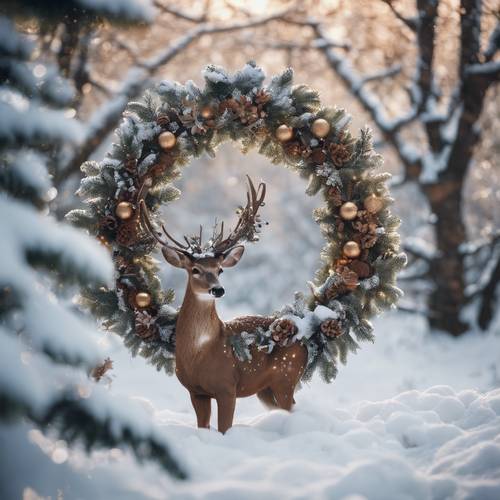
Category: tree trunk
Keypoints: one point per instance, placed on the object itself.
(447, 299)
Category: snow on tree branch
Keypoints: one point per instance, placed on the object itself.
(137, 79)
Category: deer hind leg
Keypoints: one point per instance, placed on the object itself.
(202, 407)
(283, 394)
(226, 403)
(267, 398)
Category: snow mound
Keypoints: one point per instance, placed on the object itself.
(420, 445)
(432, 444)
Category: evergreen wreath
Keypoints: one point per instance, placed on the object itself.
(174, 123)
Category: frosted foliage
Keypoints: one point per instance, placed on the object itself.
(31, 168)
(22, 120)
(48, 325)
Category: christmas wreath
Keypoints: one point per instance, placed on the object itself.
(174, 123)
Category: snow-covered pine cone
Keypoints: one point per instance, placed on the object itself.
(145, 326)
(282, 330)
(331, 328)
(348, 281)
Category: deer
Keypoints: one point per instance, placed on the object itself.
(205, 362)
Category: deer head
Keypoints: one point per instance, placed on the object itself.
(204, 262)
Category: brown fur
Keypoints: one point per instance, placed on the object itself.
(206, 364)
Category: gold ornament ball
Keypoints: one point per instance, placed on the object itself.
(124, 210)
(143, 299)
(373, 204)
(320, 128)
(207, 112)
(167, 140)
(284, 133)
(352, 249)
(348, 210)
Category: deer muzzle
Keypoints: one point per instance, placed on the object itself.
(217, 291)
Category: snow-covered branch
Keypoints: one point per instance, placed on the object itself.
(137, 79)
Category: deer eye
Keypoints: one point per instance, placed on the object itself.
(195, 270)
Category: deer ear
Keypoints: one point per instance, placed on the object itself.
(232, 257)
(174, 257)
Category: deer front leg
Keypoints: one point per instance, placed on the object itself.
(226, 403)
(202, 407)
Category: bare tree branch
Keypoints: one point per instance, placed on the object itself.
(371, 103)
(493, 44)
(182, 15)
(409, 22)
(138, 78)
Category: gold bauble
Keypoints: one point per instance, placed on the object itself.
(143, 299)
(351, 249)
(167, 140)
(284, 133)
(373, 204)
(207, 112)
(124, 210)
(320, 128)
(348, 210)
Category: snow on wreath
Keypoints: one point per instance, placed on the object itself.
(174, 123)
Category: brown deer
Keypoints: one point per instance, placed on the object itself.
(205, 362)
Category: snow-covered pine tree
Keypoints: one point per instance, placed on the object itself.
(46, 348)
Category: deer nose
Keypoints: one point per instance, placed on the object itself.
(217, 291)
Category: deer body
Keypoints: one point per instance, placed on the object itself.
(208, 368)
(205, 362)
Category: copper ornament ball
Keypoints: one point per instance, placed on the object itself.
(207, 112)
(167, 140)
(143, 299)
(284, 133)
(352, 250)
(373, 204)
(348, 210)
(320, 128)
(124, 210)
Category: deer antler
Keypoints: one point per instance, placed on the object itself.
(245, 229)
(156, 234)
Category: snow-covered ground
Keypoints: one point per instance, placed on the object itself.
(412, 416)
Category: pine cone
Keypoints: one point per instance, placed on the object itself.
(349, 277)
(331, 328)
(99, 371)
(293, 149)
(339, 154)
(163, 120)
(318, 156)
(131, 165)
(334, 196)
(282, 330)
(108, 222)
(362, 269)
(127, 233)
(262, 97)
(145, 326)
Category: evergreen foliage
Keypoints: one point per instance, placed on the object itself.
(239, 108)
(47, 348)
